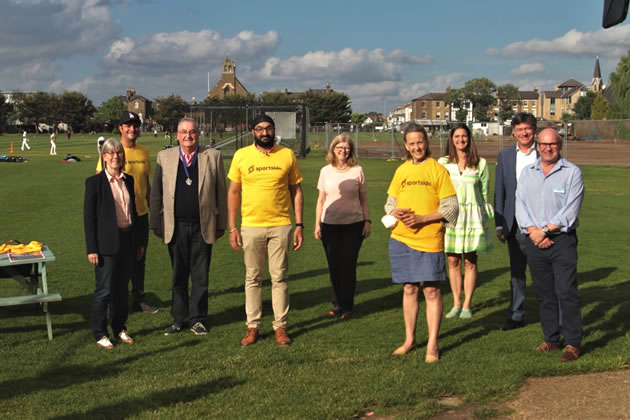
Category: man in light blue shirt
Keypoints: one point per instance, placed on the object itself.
(548, 199)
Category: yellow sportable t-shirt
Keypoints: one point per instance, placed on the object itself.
(421, 187)
(138, 165)
(265, 180)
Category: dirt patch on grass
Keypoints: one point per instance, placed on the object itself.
(603, 395)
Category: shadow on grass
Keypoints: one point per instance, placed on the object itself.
(59, 377)
(156, 400)
(609, 317)
(595, 275)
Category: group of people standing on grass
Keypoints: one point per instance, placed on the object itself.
(440, 212)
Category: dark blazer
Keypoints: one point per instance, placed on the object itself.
(99, 215)
(505, 190)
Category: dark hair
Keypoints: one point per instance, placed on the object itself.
(524, 118)
(416, 128)
(472, 156)
(262, 118)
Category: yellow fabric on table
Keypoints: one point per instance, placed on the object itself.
(18, 249)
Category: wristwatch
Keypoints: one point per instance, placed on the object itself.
(546, 230)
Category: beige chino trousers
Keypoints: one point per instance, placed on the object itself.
(258, 244)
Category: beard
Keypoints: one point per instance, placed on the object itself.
(264, 141)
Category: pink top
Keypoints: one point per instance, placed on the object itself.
(122, 201)
(342, 205)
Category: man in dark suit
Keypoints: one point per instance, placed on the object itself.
(189, 213)
(510, 164)
(112, 239)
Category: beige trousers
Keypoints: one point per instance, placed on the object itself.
(258, 243)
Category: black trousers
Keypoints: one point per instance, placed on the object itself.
(137, 277)
(341, 245)
(190, 257)
(554, 275)
(516, 242)
(112, 277)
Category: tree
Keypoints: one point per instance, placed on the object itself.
(275, 98)
(169, 110)
(36, 108)
(327, 107)
(455, 98)
(567, 116)
(6, 109)
(600, 107)
(110, 110)
(620, 82)
(480, 93)
(582, 107)
(76, 110)
(358, 118)
(508, 97)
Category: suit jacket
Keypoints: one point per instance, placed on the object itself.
(99, 215)
(505, 190)
(212, 193)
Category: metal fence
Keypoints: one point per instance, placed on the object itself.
(228, 127)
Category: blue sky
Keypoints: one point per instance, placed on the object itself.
(381, 54)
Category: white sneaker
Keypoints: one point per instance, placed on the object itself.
(124, 337)
(105, 343)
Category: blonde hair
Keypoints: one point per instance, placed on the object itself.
(342, 138)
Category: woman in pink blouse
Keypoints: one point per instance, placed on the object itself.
(342, 220)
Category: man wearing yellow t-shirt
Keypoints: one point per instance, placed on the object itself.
(138, 165)
(265, 179)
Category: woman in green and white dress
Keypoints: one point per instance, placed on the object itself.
(469, 174)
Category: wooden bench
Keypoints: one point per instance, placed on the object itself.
(25, 300)
(33, 276)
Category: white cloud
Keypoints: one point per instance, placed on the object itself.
(346, 66)
(610, 42)
(39, 29)
(527, 68)
(186, 51)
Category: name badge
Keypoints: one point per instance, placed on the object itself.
(559, 190)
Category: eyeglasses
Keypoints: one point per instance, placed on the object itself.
(112, 153)
(550, 145)
(340, 148)
(268, 129)
(186, 132)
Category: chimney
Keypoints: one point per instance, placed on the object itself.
(448, 89)
(129, 95)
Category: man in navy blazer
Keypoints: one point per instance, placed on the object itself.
(510, 164)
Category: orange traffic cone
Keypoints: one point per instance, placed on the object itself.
(11, 147)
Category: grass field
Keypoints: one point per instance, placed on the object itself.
(334, 369)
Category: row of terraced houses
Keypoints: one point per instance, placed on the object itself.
(432, 111)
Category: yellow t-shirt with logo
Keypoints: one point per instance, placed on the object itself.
(265, 180)
(138, 165)
(420, 188)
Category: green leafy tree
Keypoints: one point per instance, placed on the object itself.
(582, 107)
(455, 98)
(620, 81)
(567, 116)
(508, 97)
(6, 109)
(76, 110)
(36, 108)
(358, 118)
(480, 92)
(169, 110)
(275, 98)
(327, 107)
(600, 107)
(110, 110)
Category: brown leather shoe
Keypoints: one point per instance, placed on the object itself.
(547, 347)
(570, 354)
(250, 338)
(282, 338)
